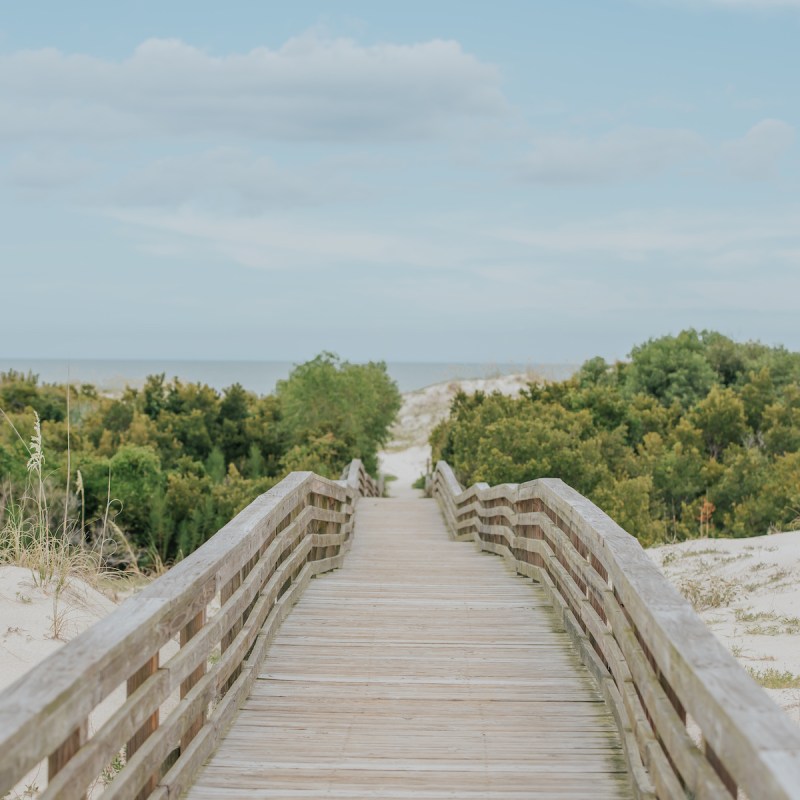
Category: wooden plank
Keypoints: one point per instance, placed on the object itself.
(150, 726)
(41, 714)
(60, 758)
(187, 634)
(750, 742)
(421, 668)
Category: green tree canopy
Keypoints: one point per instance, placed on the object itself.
(690, 421)
(355, 404)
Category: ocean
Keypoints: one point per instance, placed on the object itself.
(256, 376)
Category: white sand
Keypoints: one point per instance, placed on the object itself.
(748, 593)
(27, 631)
(34, 623)
(408, 453)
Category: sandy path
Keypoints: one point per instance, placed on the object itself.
(408, 453)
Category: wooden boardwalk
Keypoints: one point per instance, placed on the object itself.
(421, 669)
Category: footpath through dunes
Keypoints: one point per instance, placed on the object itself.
(420, 669)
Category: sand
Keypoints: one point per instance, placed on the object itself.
(748, 593)
(28, 632)
(408, 453)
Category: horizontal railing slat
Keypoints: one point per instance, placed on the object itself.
(643, 636)
(299, 528)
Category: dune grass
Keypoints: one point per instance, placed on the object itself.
(39, 535)
(775, 678)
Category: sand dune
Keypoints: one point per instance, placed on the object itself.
(407, 454)
(748, 593)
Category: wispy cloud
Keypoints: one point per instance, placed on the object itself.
(45, 171)
(227, 179)
(640, 154)
(638, 235)
(625, 154)
(283, 242)
(312, 88)
(758, 153)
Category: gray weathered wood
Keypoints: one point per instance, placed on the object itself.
(247, 563)
(420, 669)
(662, 659)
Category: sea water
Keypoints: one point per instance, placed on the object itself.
(257, 376)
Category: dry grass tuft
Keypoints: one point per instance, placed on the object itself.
(28, 537)
(708, 592)
(775, 678)
(54, 552)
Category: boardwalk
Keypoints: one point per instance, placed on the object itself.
(421, 669)
(413, 667)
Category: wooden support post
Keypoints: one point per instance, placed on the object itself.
(149, 727)
(719, 768)
(59, 758)
(192, 629)
(227, 592)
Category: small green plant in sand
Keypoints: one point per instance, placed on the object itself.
(708, 592)
(775, 679)
(113, 769)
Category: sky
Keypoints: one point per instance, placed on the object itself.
(519, 180)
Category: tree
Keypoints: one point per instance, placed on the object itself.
(720, 416)
(136, 478)
(354, 403)
(233, 413)
(671, 368)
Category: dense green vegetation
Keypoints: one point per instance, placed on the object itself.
(694, 435)
(164, 467)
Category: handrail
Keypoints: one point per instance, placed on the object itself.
(256, 567)
(656, 663)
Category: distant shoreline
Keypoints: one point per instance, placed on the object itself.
(113, 375)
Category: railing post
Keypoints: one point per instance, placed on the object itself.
(227, 592)
(150, 726)
(59, 758)
(189, 631)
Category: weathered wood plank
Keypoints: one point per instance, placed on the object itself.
(654, 641)
(256, 555)
(420, 669)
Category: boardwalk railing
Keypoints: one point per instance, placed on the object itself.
(177, 708)
(662, 672)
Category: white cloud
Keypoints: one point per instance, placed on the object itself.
(625, 261)
(715, 241)
(311, 88)
(625, 154)
(225, 178)
(631, 154)
(282, 242)
(758, 154)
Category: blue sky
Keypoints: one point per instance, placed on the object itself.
(458, 181)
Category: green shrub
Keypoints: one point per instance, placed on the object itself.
(694, 435)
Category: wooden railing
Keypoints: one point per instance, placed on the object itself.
(661, 671)
(177, 708)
